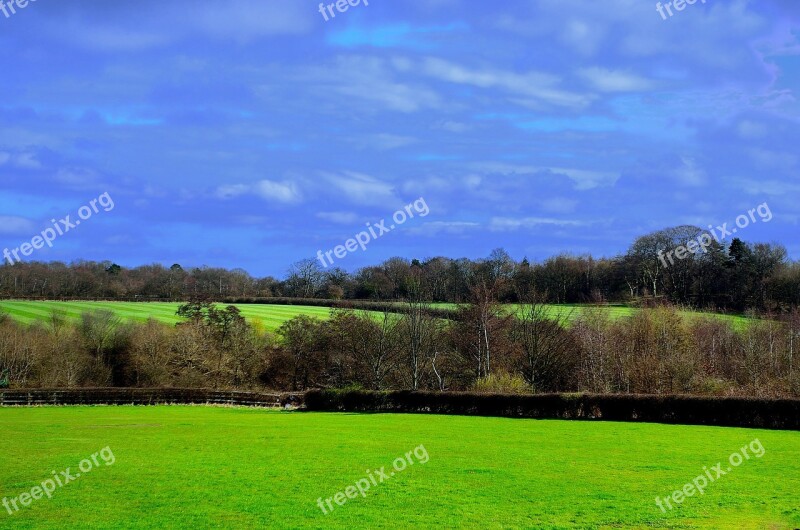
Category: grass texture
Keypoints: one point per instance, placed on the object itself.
(187, 467)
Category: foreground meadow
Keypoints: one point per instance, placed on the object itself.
(184, 467)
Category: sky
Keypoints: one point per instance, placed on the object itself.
(254, 133)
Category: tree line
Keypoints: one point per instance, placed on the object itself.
(484, 347)
(734, 277)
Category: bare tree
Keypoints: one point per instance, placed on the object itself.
(592, 331)
(371, 343)
(305, 278)
(418, 331)
(301, 339)
(151, 354)
(480, 330)
(18, 354)
(548, 352)
(105, 338)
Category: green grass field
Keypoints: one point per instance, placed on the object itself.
(271, 316)
(203, 467)
(569, 312)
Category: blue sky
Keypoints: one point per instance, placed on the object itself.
(252, 133)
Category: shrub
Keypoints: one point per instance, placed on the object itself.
(501, 384)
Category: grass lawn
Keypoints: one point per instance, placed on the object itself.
(187, 467)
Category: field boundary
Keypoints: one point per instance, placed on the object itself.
(397, 307)
(782, 414)
(147, 396)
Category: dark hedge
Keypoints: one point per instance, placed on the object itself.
(689, 410)
(727, 412)
(365, 305)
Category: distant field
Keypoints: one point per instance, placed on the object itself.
(203, 467)
(270, 316)
(572, 311)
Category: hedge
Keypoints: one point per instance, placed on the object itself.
(365, 305)
(724, 412)
(689, 410)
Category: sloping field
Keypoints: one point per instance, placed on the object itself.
(271, 316)
(202, 467)
(569, 312)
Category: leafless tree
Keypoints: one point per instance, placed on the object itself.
(418, 331)
(301, 338)
(305, 278)
(548, 352)
(480, 330)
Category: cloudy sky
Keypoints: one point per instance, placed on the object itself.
(252, 133)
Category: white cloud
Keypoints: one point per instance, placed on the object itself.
(559, 205)
(771, 187)
(79, 177)
(583, 179)
(27, 161)
(371, 82)
(501, 224)
(158, 24)
(341, 218)
(606, 80)
(116, 39)
(454, 126)
(751, 130)
(689, 173)
(537, 86)
(13, 225)
(246, 20)
(772, 160)
(583, 36)
(387, 142)
(435, 228)
(363, 189)
(229, 191)
(286, 192)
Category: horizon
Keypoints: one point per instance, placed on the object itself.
(662, 256)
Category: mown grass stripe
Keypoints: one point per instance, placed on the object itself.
(272, 316)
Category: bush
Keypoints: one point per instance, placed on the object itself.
(715, 387)
(501, 384)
